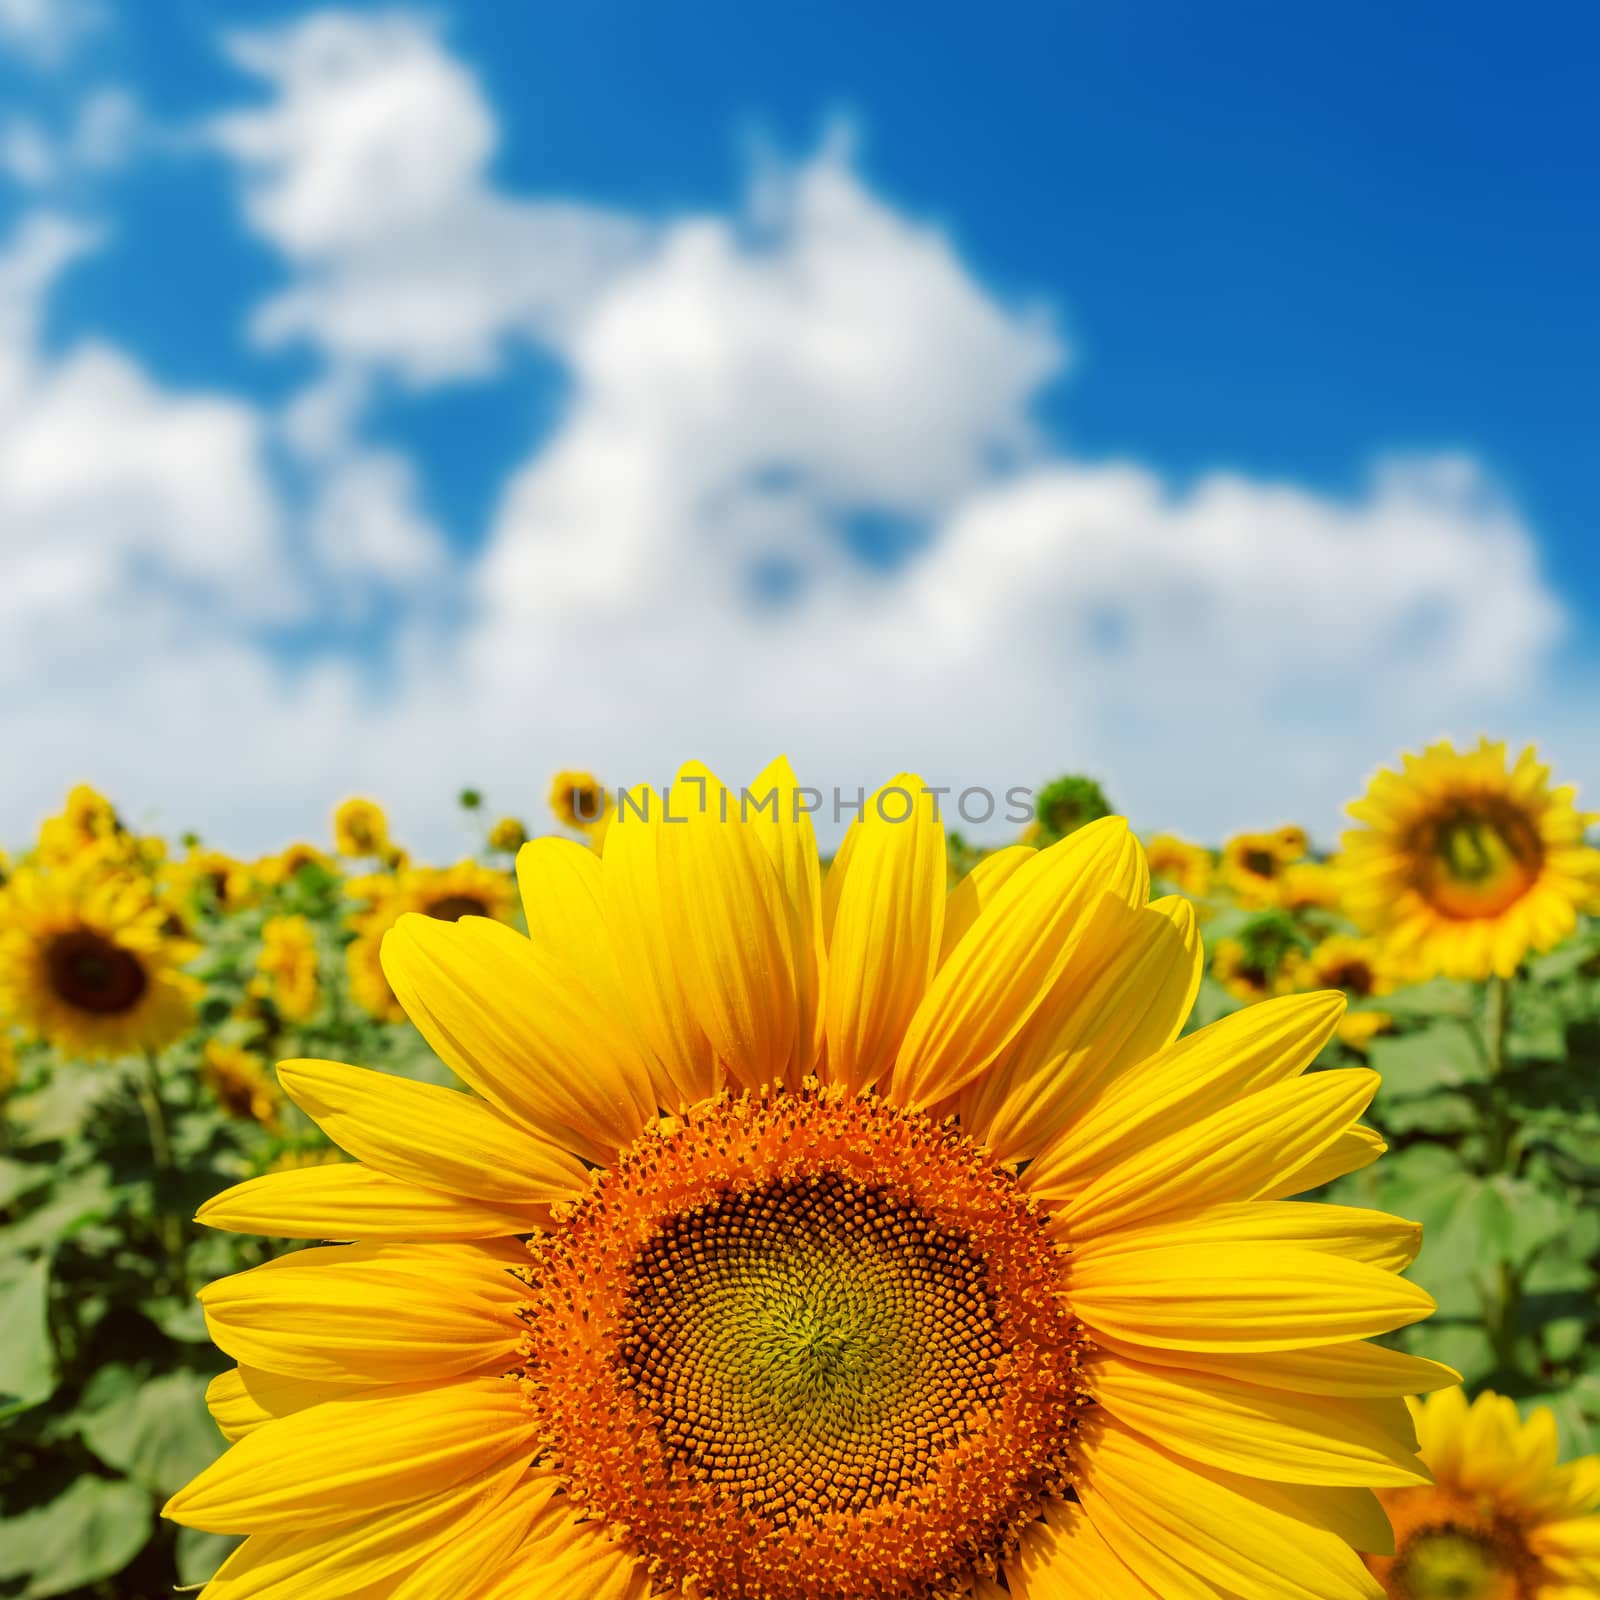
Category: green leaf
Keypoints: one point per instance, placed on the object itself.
(27, 1358)
(61, 1107)
(77, 1201)
(1444, 1056)
(157, 1431)
(200, 1554)
(93, 1530)
(1442, 997)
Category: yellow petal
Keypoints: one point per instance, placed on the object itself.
(887, 920)
(684, 1064)
(370, 1313)
(975, 891)
(350, 1201)
(1063, 1557)
(1355, 1516)
(1371, 1236)
(437, 1138)
(1240, 1297)
(1262, 1433)
(346, 1458)
(1011, 961)
(241, 1399)
(563, 898)
(1232, 1155)
(1199, 1075)
(561, 1559)
(336, 1563)
(1124, 1003)
(498, 1010)
(782, 826)
(1191, 1538)
(732, 919)
(1354, 1149)
(1354, 1370)
(483, 1547)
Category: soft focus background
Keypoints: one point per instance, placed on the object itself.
(391, 398)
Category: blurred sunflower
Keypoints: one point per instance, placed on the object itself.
(1357, 1029)
(369, 988)
(1291, 841)
(1185, 866)
(1309, 886)
(213, 880)
(1340, 962)
(9, 1070)
(289, 863)
(1465, 863)
(287, 968)
(1252, 866)
(87, 963)
(851, 1239)
(360, 828)
(87, 820)
(1502, 1520)
(579, 800)
(241, 1084)
(508, 834)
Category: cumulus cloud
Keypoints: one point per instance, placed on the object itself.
(368, 171)
(46, 31)
(673, 569)
(103, 132)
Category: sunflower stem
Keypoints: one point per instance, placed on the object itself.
(155, 1121)
(1504, 1311)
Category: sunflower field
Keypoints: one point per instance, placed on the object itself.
(177, 1114)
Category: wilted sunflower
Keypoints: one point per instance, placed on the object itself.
(241, 1084)
(1502, 1520)
(360, 828)
(878, 1242)
(578, 800)
(1465, 864)
(87, 962)
(1185, 866)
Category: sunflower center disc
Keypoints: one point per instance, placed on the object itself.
(1479, 860)
(803, 1345)
(1453, 1564)
(92, 974)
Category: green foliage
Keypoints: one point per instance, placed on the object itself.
(1067, 804)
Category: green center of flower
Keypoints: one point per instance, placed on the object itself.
(91, 973)
(1449, 1563)
(828, 1341)
(1479, 859)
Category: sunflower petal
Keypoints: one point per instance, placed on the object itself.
(436, 1138)
(1240, 1297)
(345, 1459)
(452, 1569)
(349, 1201)
(498, 1010)
(1063, 1557)
(975, 891)
(1011, 960)
(370, 1313)
(242, 1399)
(1354, 1149)
(887, 890)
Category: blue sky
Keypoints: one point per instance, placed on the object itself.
(1148, 246)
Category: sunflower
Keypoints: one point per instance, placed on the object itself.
(579, 800)
(1340, 962)
(360, 828)
(213, 880)
(1185, 866)
(1291, 840)
(1502, 1521)
(1310, 886)
(1253, 865)
(1357, 1029)
(241, 1084)
(369, 988)
(1465, 863)
(508, 834)
(86, 821)
(87, 963)
(287, 967)
(856, 1240)
(289, 863)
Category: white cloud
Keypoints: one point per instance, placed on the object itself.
(368, 170)
(104, 132)
(46, 31)
(668, 573)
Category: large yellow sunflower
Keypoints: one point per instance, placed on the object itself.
(88, 964)
(1465, 863)
(818, 1242)
(1502, 1520)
